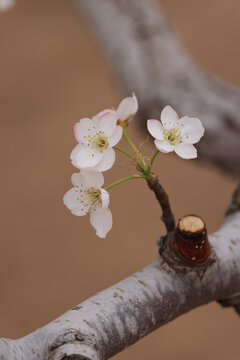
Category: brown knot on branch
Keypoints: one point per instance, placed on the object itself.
(191, 241)
(188, 246)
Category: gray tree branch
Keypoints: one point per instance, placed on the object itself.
(117, 317)
(144, 52)
(150, 60)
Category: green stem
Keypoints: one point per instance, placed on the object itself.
(154, 157)
(129, 141)
(141, 163)
(123, 180)
(123, 151)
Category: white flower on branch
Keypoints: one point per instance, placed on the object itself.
(96, 138)
(87, 196)
(127, 109)
(125, 112)
(174, 134)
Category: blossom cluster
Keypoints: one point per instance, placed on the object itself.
(95, 154)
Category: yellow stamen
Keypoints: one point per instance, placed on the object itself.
(99, 142)
(172, 136)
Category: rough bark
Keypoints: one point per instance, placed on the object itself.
(150, 60)
(117, 317)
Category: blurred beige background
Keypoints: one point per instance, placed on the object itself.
(52, 74)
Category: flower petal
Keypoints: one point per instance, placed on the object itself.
(84, 128)
(163, 146)
(98, 115)
(72, 200)
(107, 123)
(88, 178)
(107, 161)
(127, 108)
(104, 198)
(169, 117)
(155, 128)
(101, 220)
(116, 136)
(74, 154)
(78, 180)
(191, 129)
(84, 157)
(186, 151)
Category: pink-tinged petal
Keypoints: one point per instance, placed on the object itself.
(169, 117)
(155, 128)
(107, 123)
(84, 157)
(163, 146)
(191, 129)
(73, 201)
(84, 128)
(104, 199)
(127, 108)
(88, 178)
(186, 151)
(97, 116)
(107, 161)
(101, 220)
(116, 136)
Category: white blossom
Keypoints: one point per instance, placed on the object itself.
(87, 196)
(96, 138)
(127, 109)
(174, 134)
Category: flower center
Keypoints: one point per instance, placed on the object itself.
(99, 142)
(93, 196)
(89, 197)
(173, 136)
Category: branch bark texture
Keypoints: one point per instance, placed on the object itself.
(117, 317)
(150, 60)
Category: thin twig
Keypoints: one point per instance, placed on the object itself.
(162, 197)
